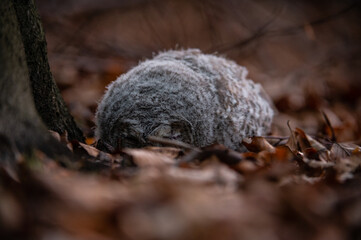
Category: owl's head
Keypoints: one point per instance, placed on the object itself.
(134, 133)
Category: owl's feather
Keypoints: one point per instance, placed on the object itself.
(186, 95)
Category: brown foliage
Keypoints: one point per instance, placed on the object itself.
(293, 187)
(301, 182)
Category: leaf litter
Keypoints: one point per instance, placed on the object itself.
(302, 182)
(292, 187)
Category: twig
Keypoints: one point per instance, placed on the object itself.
(171, 142)
(275, 137)
(261, 32)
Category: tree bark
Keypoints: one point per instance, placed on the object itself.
(20, 125)
(48, 101)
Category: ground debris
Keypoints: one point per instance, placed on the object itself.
(300, 188)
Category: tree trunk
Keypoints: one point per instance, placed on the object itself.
(48, 101)
(20, 125)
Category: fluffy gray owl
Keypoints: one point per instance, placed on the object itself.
(185, 95)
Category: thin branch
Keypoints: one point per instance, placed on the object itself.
(171, 142)
(261, 32)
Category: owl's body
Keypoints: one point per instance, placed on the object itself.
(185, 95)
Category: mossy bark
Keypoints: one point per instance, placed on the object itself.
(48, 101)
(21, 127)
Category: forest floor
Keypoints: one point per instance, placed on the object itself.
(300, 182)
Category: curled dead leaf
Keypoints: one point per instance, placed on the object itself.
(170, 152)
(147, 158)
(92, 151)
(258, 144)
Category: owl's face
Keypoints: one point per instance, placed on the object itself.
(133, 134)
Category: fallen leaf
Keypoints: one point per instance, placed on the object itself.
(147, 158)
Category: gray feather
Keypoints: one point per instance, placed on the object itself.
(185, 95)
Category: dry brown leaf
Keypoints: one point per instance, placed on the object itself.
(351, 147)
(309, 146)
(246, 167)
(211, 173)
(166, 151)
(282, 154)
(90, 141)
(292, 142)
(337, 151)
(259, 144)
(302, 140)
(147, 158)
(56, 135)
(317, 163)
(92, 151)
(319, 147)
(346, 166)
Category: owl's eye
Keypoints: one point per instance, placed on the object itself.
(163, 131)
(176, 130)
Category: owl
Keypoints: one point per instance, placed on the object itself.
(185, 95)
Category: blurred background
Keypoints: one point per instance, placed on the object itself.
(306, 54)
